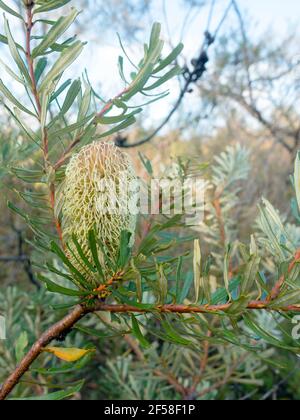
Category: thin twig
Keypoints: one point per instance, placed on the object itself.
(279, 284)
(168, 376)
(54, 332)
(80, 311)
(185, 309)
(29, 26)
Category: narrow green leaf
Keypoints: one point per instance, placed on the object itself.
(172, 333)
(83, 257)
(21, 346)
(122, 126)
(121, 69)
(287, 299)
(56, 288)
(221, 295)
(169, 59)
(54, 396)
(66, 58)
(50, 5)
(125, 250)
(155, 35)
(78, 276)
(10, 10)
(16, 210)
(70, 128)
(226, 270)
(297, 178)
(197, 264)
(164, 79)
(60, 90)
(15, 52)
(11, 73)
(40, 68)
(60, 27)
(117, 118)
(94, 251)
(4, 40)
(251, 272)
(71, 96)
(163, 284)
(138, 334)
(178, 278)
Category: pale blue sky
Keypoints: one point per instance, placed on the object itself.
(281, 16)
(101, 55)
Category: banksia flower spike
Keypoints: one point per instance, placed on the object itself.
(98, 195)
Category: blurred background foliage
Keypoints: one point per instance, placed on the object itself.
(245, 103)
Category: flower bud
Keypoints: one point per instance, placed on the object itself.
(97, 195)
(28, 3)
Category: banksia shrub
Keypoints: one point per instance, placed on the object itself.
(97, 196)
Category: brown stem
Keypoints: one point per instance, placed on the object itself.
(185, 309)
(54, 332)
(279, 284)
(45, 139)
(222, 382)
(29, 26)
(218, 209)
(168, 376)
(79, 312)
